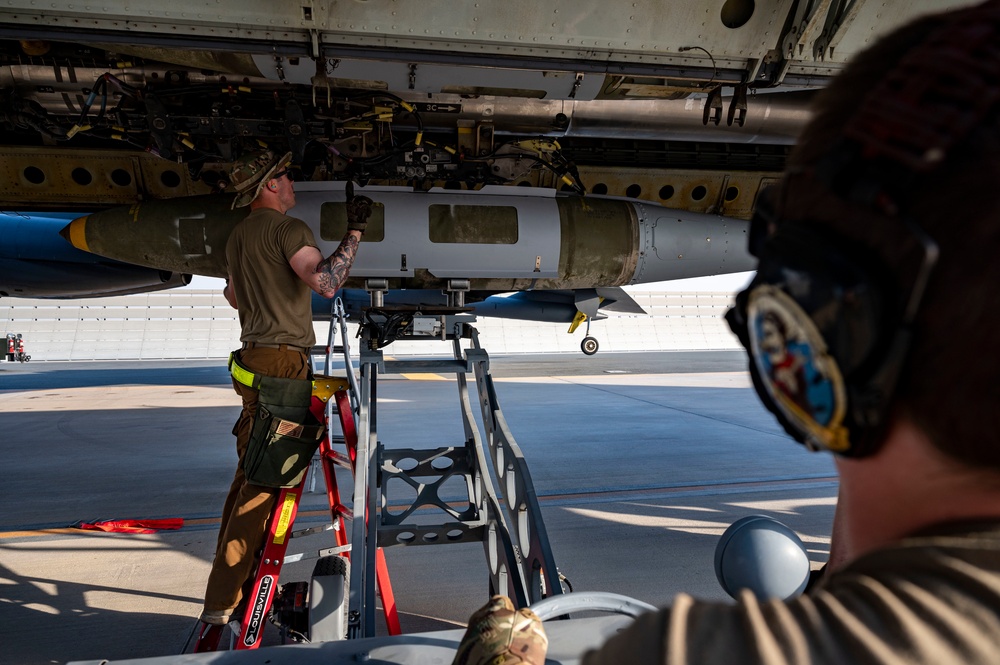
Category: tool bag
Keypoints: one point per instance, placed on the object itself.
(285, 434)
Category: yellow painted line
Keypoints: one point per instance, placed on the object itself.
(424, 376)
(204, 520)
(41, 532)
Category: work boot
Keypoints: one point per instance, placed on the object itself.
(498, 634)
(216, 617)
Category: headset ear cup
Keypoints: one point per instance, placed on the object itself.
(771, 405)
(737, 319)
(800, 378)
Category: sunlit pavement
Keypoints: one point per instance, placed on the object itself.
(640, 462)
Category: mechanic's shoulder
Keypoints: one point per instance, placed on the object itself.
(288, 220)
(939, 545)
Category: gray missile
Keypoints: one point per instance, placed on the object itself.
(496, 238)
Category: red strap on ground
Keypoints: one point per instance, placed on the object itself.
(133, 526)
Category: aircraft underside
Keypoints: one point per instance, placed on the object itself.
(82, 130)
(690, 105)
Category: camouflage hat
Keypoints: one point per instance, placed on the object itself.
(252, 171)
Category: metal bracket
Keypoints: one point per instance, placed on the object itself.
(713, 106)
(279, 68)
(836, 27)
(456, 292)
(376, 288)
(314, 44)
(738, 103)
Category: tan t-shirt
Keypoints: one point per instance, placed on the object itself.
(274, 304)
(929, 600)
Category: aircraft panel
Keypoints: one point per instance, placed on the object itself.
(644, 32)
(535, 251)
(850, 30)
(689, 105)
(54, 178)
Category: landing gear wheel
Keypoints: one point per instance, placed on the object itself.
(589, 346)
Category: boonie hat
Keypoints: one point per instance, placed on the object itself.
(252, 171)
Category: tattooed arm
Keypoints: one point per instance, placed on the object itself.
(326, 276)
(333, 270)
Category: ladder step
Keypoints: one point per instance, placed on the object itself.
(340, 459)
(305, 556)
(313, 529)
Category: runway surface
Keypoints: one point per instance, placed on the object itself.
(640, 462)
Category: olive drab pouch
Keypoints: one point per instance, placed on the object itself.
(285, 434)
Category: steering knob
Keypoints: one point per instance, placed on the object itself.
(761, 554)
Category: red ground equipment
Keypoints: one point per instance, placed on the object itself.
(15, 348)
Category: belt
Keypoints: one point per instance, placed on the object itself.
(280, 347)
(323, 386)
(242, 374)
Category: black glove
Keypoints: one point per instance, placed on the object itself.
(359, 209)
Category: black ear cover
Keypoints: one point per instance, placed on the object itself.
(813, 322)
(828, 324)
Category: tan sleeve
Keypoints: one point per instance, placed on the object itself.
(690, 632)
(639, 644)
(293, 235)
(927, 603)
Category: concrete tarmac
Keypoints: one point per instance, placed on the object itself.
(640, 462)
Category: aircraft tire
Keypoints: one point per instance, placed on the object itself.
(589, 346)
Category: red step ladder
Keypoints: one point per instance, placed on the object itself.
(280, 530)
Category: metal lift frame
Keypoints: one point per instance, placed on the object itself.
(504, 513)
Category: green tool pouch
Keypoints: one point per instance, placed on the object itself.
(285, 435)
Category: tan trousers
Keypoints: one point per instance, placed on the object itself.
(248, 507)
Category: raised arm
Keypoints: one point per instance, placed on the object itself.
(326, 276)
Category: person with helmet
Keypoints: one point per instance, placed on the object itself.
(877, 262)
(274, 266)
